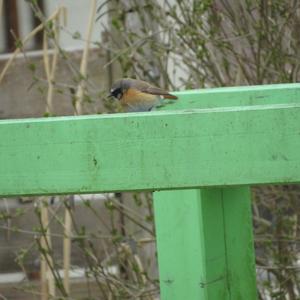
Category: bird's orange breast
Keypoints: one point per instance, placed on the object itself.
(136, 101)
(133, 96)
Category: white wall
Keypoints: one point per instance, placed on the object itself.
(78, 15)
(77, 21)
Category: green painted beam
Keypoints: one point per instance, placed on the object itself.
(205, 244)
(237, 96)
(204, 236)
(151, 151)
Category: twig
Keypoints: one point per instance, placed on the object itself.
(50, 71)
(67, 247)
(83, 66)
(78, 110)
(50, 74)
(24, 41)
(8, 220)
(1, 296)
(73, 236)
(46, 241)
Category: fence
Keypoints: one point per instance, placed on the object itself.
(200, 158)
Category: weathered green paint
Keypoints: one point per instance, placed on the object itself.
(205, 244)
(237, 96)
(151, 151)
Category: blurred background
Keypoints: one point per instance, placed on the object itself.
(60, 58)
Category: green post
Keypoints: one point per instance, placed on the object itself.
(205, 244)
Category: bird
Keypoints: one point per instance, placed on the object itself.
(138, 95)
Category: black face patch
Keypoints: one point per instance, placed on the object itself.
(117, 93)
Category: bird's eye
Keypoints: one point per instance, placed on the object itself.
(117, 93)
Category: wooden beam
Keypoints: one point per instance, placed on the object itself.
(151, 151)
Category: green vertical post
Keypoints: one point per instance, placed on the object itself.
(205, 244)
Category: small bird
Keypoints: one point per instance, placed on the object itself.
(137, 95)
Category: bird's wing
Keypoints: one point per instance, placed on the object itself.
(150, 89)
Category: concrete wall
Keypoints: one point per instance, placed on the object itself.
(21, 96)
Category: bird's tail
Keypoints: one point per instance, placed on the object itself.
(169, 96)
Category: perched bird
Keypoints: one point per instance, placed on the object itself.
(137, 95)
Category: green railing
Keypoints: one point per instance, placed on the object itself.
(200, 158)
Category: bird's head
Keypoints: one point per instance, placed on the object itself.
(118, 89)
